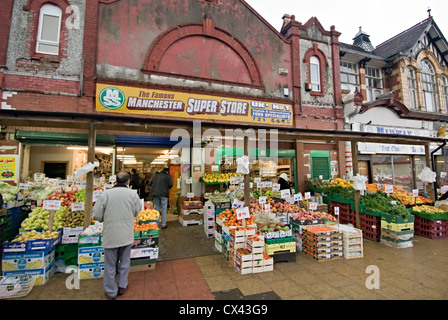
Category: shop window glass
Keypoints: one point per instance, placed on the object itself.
(382, 169)
(349, 75)
(374, 83)
(445, 93)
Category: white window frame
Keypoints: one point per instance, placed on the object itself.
(429, 86)
(345, 71)
(315, 78)
(374, 83)
(412, 87)
(50, 10)
(444, 80)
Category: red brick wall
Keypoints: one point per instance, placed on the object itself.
(5, 22)
(39, 84)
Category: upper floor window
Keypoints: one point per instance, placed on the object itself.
(349, 75)
(429, 86)
(315, 73)
(445, 93)
(412, 85)
(374, 83)
(49, 29)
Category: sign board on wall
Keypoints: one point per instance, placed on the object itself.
(8, 167)
(133, 100)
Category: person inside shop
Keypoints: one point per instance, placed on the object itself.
(135, 181)
(1, 201)
(283, 181)
(145, 189)
(161, 184)
(116, 208)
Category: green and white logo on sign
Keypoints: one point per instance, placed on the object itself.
(112, 98)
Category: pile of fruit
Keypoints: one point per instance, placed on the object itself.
(312, 215)
(319, 229)
(317, 183)
(275, 206)
(408, 199)
(146, 227)
(230, 219)
(427, 209)
(66, 198)
(215, 177)
(148, 215)
(35, 235)
(341, 182)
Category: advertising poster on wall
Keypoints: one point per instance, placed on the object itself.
(8, 167)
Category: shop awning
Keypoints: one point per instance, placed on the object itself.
(61, 138)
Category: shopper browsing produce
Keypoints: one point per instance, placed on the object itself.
(117, 208)
(161, 185)
(284, 182)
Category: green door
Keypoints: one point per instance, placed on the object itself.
(320, 164)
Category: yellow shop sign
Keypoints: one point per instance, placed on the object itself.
(132, 100)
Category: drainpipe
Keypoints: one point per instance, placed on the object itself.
(433, 163)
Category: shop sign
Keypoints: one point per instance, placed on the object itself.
(384, 148)
(8, 167)
(401, 131)
(132, 100)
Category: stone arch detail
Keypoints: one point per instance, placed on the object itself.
(207, 29)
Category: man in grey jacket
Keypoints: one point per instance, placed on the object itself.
(161, 185)
(117, 208)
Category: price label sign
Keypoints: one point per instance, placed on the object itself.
(415, 193)
(267, 207)
(23, 186)
(112, 179)
(442, 175)
(290, 200)
(393, 202)
(313, 205)
(336, 211)
(96, 194)
(268, 184)
(62, 183)
(215, 168)
(262, 200)
(389, 188)
(257, 180)
(361, 192)
(261, 185)
(242, 213)
(233, 180)
(190, 195)
(276, 187)
(298, 197)
(239, 179)
(237, 203)
(189, 181)
(51, 204)
(77, 206)
(307, 195)
(285, 193)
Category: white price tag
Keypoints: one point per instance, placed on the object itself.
(96, 195)
(262, 200)
(313, 205)
(298, 197)
(361, 192)
(257, 180)
(276, 187)
(23, 186)
(307, 195)
(112, 179)
(415, 192)
(52, 204)
(62, 183)
(267, 207)
(190, 195)
(237, 203)
(242, 213)
(268, 184)
(233, 180)
(189, 181)
(285, 193)
(290, 200)
(77, 206)
(261, 185)
(336, 211)
(442, 175)
(389, 188)
(215, 168)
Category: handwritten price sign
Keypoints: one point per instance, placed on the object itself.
(77, 206)
(242, 213)
(52, 204)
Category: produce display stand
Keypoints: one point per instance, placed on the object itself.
(397, 232)
(191, 211)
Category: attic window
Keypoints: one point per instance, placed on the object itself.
(49, 30)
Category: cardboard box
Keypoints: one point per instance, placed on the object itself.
(146, 252)
(91, 271)
(43, 275)
(92, 241)
(27, 261)
(38, 245)
(90, 255)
